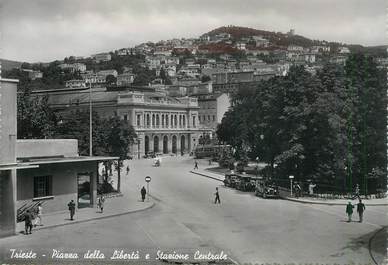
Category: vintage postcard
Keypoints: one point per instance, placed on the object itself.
(193, 132)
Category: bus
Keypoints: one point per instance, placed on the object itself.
(210, 151)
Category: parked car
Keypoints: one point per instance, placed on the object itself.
(266, 189)
(150, 155)
(245, 182)
(230, 180)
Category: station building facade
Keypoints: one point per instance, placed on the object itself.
(163, 124)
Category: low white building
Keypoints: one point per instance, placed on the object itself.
(125, 79)
(102, 57)
(80, 67)
(75, 83)
(108, 72)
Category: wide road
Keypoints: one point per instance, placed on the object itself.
(247, 228)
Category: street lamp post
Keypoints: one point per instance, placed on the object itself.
(90, 122)
(138, 148)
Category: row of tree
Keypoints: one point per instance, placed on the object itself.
(329, 128)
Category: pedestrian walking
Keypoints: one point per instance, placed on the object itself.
(360, 210)
(195, 165)
(28, 222)
(217, 197)
(127, 170)
(38, 218)
(143, 193)
(100, 203)
(349, 211)
(71, 206)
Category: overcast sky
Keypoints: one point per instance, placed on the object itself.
(45, 30)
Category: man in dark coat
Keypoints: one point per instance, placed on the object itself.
(360, 210)
(71, 206)
(28, 222)
(349, 211)
(217, 197)
(143, 193)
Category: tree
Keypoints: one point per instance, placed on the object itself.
(110, 80)
(34, 117)
(111, 137)
(205, 78)
(117, 138)
(320, 127)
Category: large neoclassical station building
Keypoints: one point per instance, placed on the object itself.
(163, 124)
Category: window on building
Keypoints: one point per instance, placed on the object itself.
(157, 120)
(42, 186)
(166, 120)
(153, 120)
(208, 117)
(214, 117)
(180, 120)
(125, 117)
(176, 121)
(148, 120)
(138, 120)
(194, 122)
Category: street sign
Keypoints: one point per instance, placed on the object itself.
(291, 177)
(148, 179)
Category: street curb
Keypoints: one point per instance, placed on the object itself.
(330, 203)
(301, 201)
(95, 218)
(207, 176)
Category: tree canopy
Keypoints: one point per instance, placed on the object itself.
(328, 127)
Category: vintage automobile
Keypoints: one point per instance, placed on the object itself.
(244, 182)
(150, 155)
(266, 189)
(230, 180)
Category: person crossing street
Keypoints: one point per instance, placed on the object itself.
(217, 199)
(360, 210)
(349, 211)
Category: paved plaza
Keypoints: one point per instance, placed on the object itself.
(246, 228)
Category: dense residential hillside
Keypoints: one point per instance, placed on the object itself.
(276, 38)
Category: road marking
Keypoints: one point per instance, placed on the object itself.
(147, 234)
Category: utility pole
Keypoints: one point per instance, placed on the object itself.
(90, 121)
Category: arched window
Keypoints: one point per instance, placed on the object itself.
(167, 121)
(184, 121)
(153, 120)
(180, 120)
(162, 120)
(176, 121)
